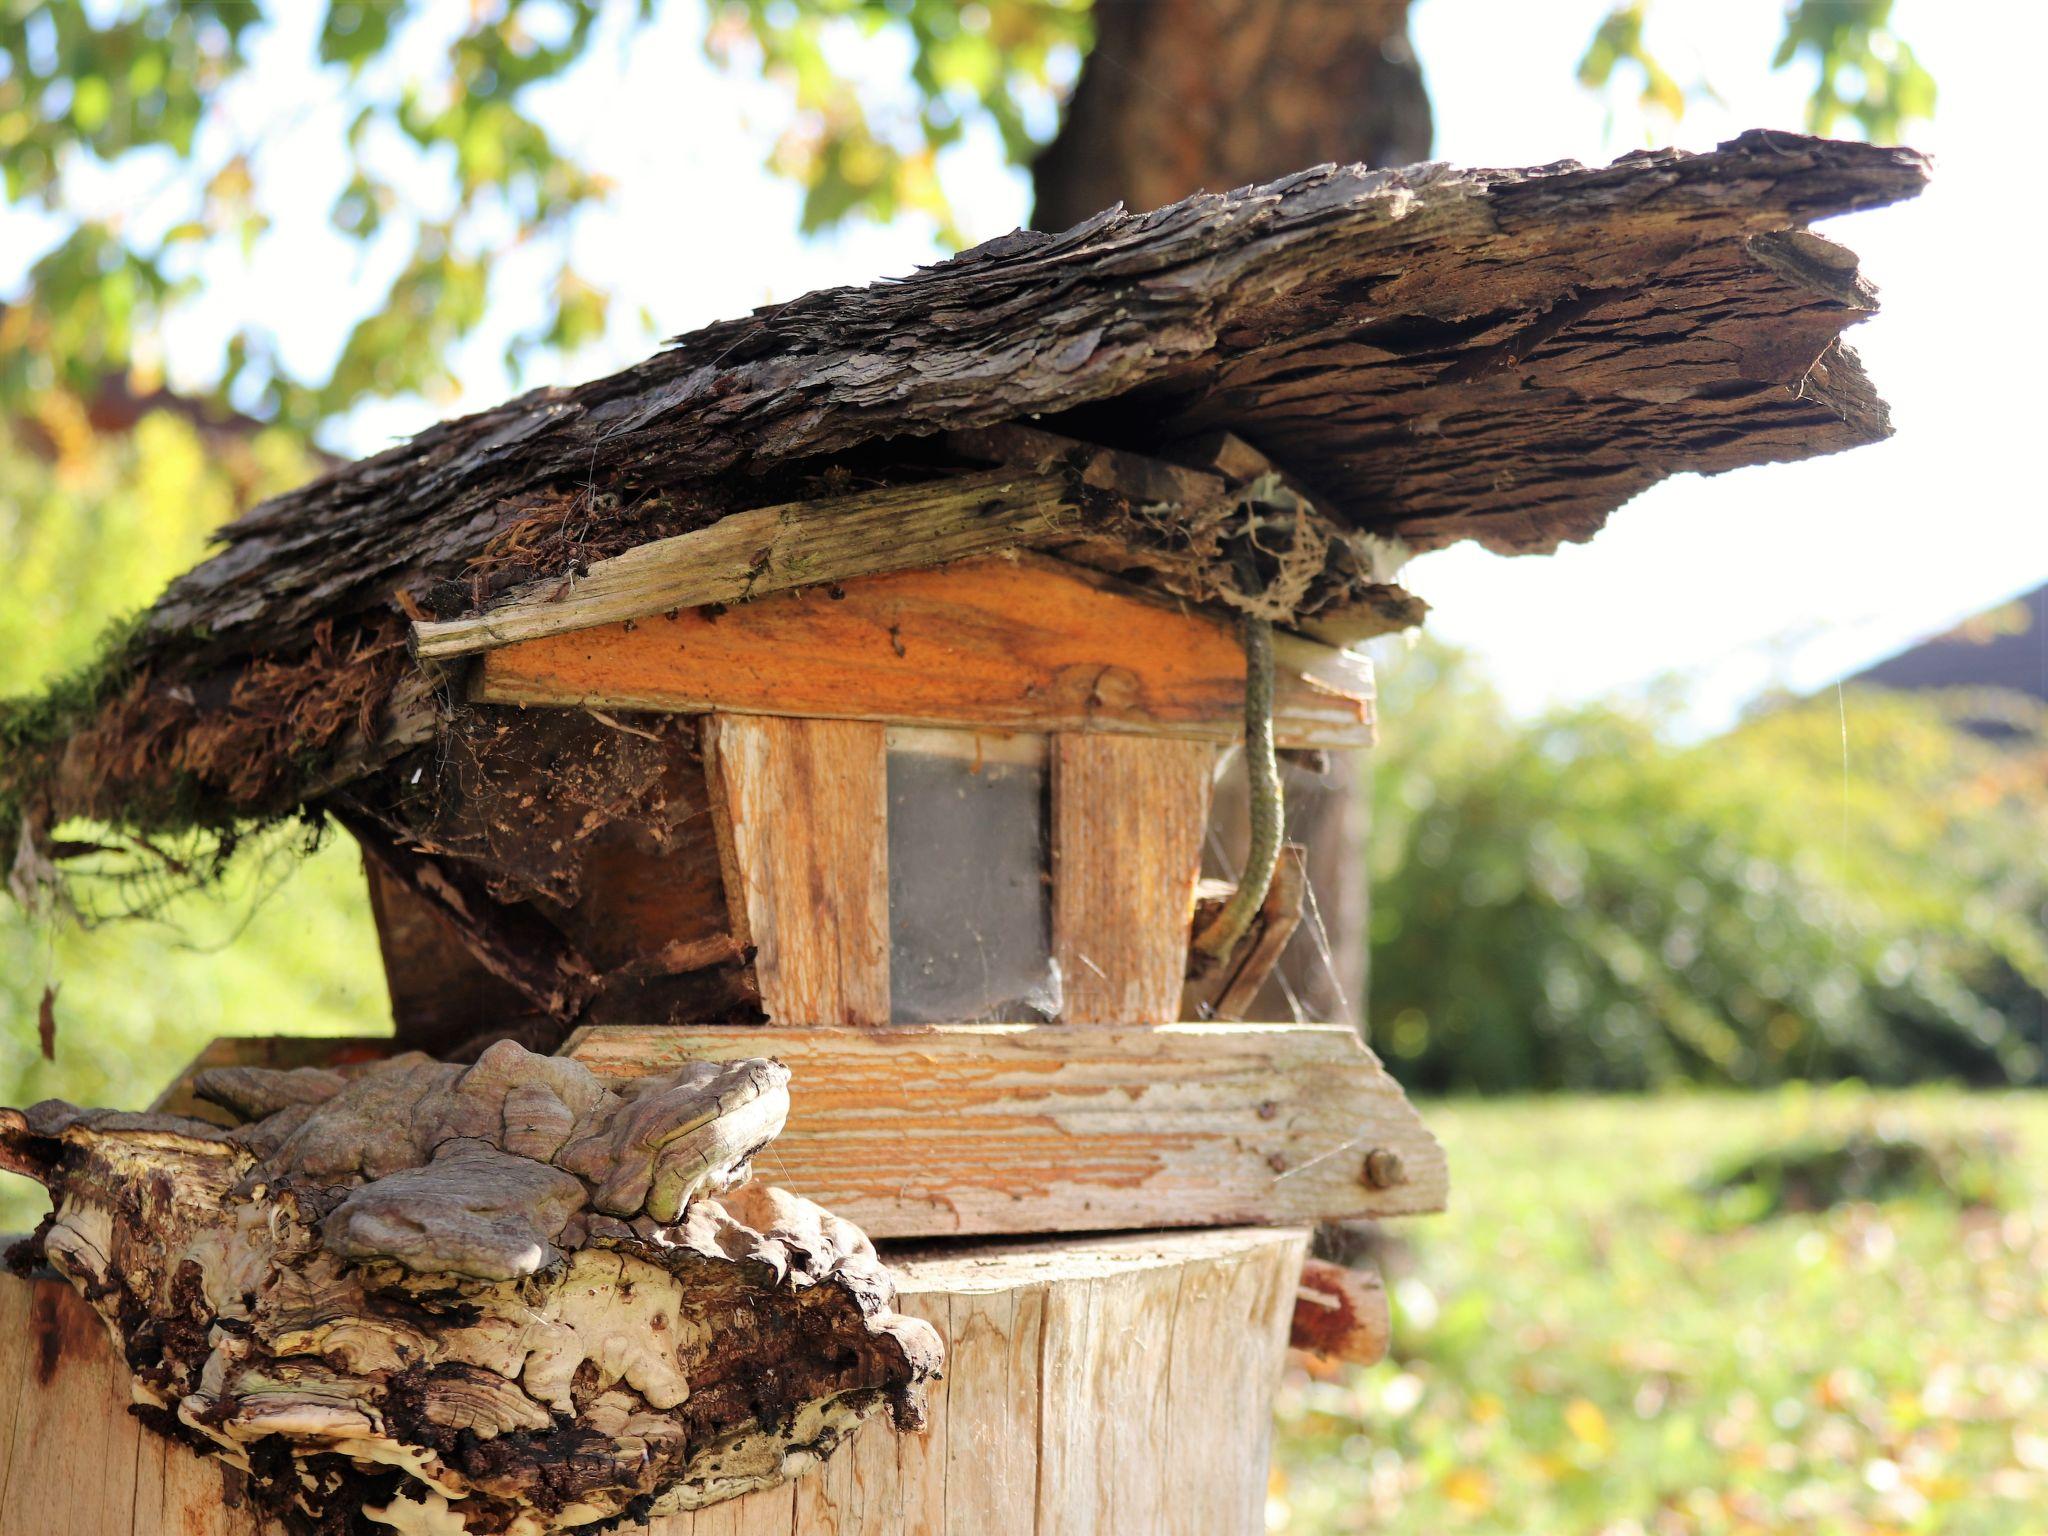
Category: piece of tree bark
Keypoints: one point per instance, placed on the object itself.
(1440, 355)
(497, 1299)
(1181, 96)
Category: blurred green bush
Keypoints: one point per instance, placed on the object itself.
(1840, 887)
(92, 526)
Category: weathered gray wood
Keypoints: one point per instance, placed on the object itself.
(770, 549)
(970, 1129)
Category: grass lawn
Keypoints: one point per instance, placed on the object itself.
(1581, 1345)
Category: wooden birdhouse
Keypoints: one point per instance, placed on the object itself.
(821, 1095)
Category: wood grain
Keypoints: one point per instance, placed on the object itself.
(74, 1461)
(1093, 1386)
(801, 808)
(1014, 644)
(1108, 1387)
(767, 549)
(1128, 817)
(971, 1129)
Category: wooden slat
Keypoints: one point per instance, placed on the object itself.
(931, 1130)
(1128, 816)
(1023, 643)
(801, 808)
(768, 549)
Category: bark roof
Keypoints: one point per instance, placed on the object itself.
(1436, 354)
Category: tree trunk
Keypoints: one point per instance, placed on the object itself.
(1092, 1386)
(1180, 96)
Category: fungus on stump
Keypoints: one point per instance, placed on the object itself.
(498, 1298)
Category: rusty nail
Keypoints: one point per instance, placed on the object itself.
(1383, 1168)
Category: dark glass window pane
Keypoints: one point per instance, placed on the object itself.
(970, 905)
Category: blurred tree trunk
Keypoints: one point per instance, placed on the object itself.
(1180, 96)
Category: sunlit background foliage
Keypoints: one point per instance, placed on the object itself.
(1842, 886)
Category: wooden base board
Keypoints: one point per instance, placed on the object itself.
(968, 1130)
(1108, 1385)
(972, 1129)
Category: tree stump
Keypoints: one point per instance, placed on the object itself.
(1118, 1384)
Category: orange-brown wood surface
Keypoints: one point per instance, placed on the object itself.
(801, 808)
(1128, 815)
(1023, 643)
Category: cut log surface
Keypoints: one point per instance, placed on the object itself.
(1096, 1387)
(1025, 644)
(971, 1129)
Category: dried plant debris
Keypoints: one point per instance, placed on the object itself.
(500, 1298)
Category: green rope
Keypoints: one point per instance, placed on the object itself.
(1262, 783)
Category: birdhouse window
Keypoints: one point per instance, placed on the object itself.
(970, 906)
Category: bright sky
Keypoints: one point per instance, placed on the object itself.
(1785, 574)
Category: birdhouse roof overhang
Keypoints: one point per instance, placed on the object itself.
(1418, 356)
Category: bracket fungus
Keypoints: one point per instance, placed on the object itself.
(499, 1298)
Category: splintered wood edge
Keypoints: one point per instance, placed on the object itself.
(989, 1129)
(771, 549)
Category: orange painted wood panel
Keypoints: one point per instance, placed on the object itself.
(1021, 643)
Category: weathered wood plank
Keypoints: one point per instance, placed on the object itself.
(935, 1130)
(1128, 817)
(769, 549)
(802, 807)
(1015, 644)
